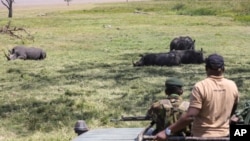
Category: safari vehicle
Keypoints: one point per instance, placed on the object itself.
(126, 134)
(143, 134)
(111, 134)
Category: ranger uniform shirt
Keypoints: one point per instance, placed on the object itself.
(167, 111)
(215, 97)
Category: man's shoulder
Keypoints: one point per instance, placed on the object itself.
(165, 101)
(201, 82)
(161, 102)
(184, 105)
(229, 81)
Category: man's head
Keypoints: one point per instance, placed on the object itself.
(173, 86)
(214, 64)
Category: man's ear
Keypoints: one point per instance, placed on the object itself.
(206, 68)
(181, 91)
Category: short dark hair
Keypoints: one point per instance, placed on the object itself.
(172, 89)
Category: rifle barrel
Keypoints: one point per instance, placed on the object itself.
(132, 118)
(135, 118)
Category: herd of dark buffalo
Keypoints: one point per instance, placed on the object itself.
(182, 51)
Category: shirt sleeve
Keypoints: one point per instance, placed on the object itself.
(195, 98)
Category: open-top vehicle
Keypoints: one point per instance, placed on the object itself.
(143, 134)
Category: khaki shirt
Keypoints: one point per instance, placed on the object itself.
(215, 97)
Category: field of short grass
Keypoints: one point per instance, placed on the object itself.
(88, 72)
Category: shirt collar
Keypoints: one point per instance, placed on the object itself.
(216, 77)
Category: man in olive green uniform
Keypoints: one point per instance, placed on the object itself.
(166, 111)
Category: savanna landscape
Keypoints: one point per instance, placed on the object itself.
(88, 72)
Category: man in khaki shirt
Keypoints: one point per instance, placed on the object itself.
(212, 103)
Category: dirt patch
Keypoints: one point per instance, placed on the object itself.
(53, 2)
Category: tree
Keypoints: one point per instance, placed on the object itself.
(67, 1)
(8, 4)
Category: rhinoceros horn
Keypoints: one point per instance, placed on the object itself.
(133, 62)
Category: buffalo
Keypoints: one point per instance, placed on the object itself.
(172, 58)
(182, 43)
(26, 53)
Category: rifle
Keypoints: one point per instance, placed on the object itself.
(142, 136)
(244, 114)
(132, 118)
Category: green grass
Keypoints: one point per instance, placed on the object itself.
(88, 72)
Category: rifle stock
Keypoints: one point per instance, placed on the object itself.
(142, 136)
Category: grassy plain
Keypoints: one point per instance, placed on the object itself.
(88, 72)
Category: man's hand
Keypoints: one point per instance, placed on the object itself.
(161, 136)
(234, 119)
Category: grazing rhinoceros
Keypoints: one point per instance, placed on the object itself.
(172, 58)
(26, 53)
(182, 43)
(158, 59)
(190, 56)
